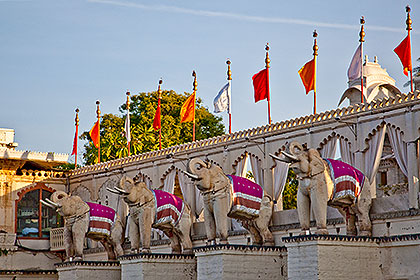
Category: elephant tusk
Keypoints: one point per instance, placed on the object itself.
(47, 204)
(292, 157)
(121, 190)
(113, 191)
(276, 157)
(52, 203)
(192, 176)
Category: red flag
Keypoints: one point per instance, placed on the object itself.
(74, 152)
(156, 121)
(307, 74)
(404, 53)
(260, 81)
(94, 134)
(188, 109)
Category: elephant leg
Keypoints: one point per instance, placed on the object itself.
(184, 232)
(117, 235)
(304, 211)
(210, 225)
(363, 208)
(220, 217)
(134, 235)
(109, 249)
(175, 242)
(350, 221)
(319, 203)
(68, 242)
(145, 222)
(79, 230)
(255, 234)
(263, 221)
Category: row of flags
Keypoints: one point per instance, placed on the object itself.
(222, 101)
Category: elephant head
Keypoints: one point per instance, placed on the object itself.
(133, 192)
(302, 161)
(206, 175)
(65, 204)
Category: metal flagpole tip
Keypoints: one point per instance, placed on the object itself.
(97, 102)
(77, 110)
(160, 81)
(194, 74)
(228, 61)
(128, 93)
(315, 34)
(362, 20)
(407, 9)
(267, 47)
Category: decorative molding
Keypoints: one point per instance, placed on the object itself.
(252, 248)
(88, 263)
(155, 256)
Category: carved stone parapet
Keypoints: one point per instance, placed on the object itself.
(235, 247)
(92, 270)
(329, 237)
(7, 241)
(158, 266)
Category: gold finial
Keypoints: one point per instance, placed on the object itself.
(98, 112)
(229, 73)
(408, 21)
(267, 59)
(77, 117)
(315, 47)
(362, 30)
(195, 81)
(159, 90)
(128, 100)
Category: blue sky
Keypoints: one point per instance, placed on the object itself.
(57, 55)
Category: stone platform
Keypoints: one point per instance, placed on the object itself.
(155, 266)
(90, 270)
(241, 262)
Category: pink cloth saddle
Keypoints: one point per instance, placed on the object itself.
(169, 208)
(348, 181)
(247, 197)
(101, 220)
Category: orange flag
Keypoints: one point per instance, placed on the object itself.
(94, 134)
(307, 74)
(188, 109)
(404, 53)
(156, 121)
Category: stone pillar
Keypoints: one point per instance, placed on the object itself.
(158, 267)
(91, 270)
(413, 175)
(330, 257)
(241, 262)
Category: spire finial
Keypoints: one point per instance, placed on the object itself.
(362, 30)
(229, 73)
(76, 120)
(315, 47)
(195, 80)
(159, 90)
(127, 103)
(98, 112)
(408, 21)
(267, 59)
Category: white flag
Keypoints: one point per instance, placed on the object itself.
(222, 100)
(127, 127)
(355, 68)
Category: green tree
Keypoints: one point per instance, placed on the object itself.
(143, 137)
(290, 191)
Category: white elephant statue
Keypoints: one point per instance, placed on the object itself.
(86, 219)
(330, 182)
(231, 196)
(157, 209)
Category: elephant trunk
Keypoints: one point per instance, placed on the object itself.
(195, 165)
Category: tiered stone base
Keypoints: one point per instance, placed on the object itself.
(333, 257)
(90, 270)
(158, 267)
(241, 262)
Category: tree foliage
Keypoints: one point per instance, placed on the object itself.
(143, 137)
(290, 191)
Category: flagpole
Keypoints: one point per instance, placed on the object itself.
(315, 48)
(98, 113)
(409, 22)
(127, 103)
(267, 66)
(160, 112)
(229, 74)
(194, 91)
(76, 120)
(361, 40)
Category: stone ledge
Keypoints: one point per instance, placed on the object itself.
(396, 214)
(233, 247)
(28, 272)
(154, 256)
(88, 263)
(329, 237)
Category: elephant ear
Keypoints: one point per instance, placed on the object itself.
(316, 163)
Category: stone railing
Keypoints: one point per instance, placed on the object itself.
(400, 100)
(43, 173)
(57, 239)
(7, 241)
